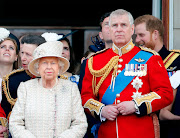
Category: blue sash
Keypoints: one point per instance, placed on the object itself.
(122, 81)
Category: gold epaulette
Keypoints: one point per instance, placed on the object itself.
(175, 50)
(148, 50)
(98, 52)
(5, 86)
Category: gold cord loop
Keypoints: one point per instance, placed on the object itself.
(112, 64)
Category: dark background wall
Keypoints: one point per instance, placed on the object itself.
(72, 16)
(31, 13)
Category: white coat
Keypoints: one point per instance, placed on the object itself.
(48, 113)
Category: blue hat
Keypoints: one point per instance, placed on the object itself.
(98, 44)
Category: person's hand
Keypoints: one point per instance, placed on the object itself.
(110, 112)
(126, 107)
(3, 129)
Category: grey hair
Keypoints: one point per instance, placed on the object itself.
(36, 66)
(119, 12)
(61, 65)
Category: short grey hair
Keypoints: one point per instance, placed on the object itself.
(61, 65)
(119, 12)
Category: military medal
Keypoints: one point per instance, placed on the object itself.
(136, 70)
(141, 70)
(126, 70)
(133, 70)
(129, 71)
(145, 70)
(137, 83)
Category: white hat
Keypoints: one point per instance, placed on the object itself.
(48, 49)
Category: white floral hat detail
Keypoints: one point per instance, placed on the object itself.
(48, 49)
(48, 36)
(4, 33)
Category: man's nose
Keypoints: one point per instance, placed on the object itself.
(119, 28)
(23, 57)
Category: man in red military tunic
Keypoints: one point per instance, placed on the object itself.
(125, 84)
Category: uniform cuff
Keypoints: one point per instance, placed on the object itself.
(94, 107)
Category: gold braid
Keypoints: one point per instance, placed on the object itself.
(7, 93)
(5, 86)
(113, 63)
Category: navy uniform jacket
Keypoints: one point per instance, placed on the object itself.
(10, 85)
(171, 59)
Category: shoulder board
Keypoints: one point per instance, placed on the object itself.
(175, 50)
(148, 50)
(12, 72)
(98, 52)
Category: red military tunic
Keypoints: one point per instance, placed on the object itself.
(2, 113)
(156, 93)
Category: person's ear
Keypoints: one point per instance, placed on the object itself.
(156, 34)
(100, 35)
(132, 27)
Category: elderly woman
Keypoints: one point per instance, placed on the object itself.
(48, 107)
(68, 53)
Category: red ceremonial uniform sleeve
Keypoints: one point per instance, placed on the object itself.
(86, 91)
(89, 101)
(161, 93)
(2, 113)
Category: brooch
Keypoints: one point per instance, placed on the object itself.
(137, 83)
